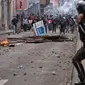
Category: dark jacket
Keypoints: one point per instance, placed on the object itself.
(14, 21)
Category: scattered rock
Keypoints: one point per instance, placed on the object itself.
(34, 73)
(58, 56)
(53, 73)
(40, 67)
(25, 73)
(60, 66)
(32, 67)
(61, 52)
(19, 58)
(4, 50)
(32, 62)
(11, 45)
(14, 74)
(43, 58)
(64, 69)
(53, 52)
(9, 48)
(20, 67)
(25, 80)
(57, 65)
(59, 62)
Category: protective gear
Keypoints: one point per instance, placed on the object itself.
(80, 55)
(81, 26)
(81, 6)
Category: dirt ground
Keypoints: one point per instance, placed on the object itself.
(48, 63)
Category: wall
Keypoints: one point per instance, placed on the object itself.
(44, 2)
(13, 8)
(8, 10)
(0, 13)
(35, 9)
(24, 4)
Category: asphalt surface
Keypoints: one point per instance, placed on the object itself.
(48, 63)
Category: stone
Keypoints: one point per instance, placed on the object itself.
(32, 62)
(58, 56)
(53, 73)
(53, 52)
(25, 73)
(20, 67)
(15, 74)
(40, 67)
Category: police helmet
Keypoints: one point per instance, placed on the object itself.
(81, 6)
(81, 2)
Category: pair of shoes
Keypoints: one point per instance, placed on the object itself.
(80, 83)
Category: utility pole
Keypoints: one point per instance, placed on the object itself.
(2, 8)
(8, 11)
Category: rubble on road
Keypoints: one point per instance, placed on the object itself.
(13, 41)
(14, 74)
(39, 39)
(54, 73)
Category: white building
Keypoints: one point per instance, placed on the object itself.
(33, 7)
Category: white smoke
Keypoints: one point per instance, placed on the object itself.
(68, 7)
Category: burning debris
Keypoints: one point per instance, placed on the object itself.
(4, 43)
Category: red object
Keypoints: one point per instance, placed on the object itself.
(32, 17)
(4, 43)
(49, 21)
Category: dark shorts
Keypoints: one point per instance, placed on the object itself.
(80, 55)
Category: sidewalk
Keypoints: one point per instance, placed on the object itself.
(22, 34)
(75, 76)
(6, 32)
(29, 33)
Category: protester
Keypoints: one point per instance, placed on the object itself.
(54, 25)
(25, 24)
(14, 22)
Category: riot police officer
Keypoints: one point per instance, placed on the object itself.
(80, 55)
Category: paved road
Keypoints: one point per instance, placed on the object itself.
(37, 64)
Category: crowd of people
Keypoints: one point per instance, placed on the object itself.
(66, 23)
